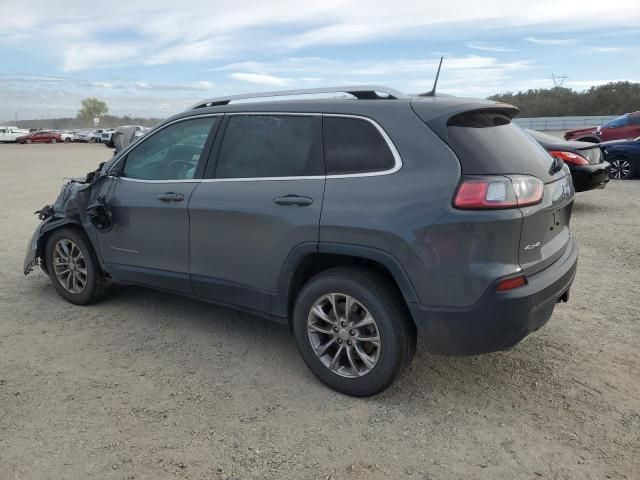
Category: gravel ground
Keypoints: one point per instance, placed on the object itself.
(147, 385)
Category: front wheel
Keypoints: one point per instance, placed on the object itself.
(353, 330)
(620, 168)
(73, 267)
(53, 140)
(67, 140)
(28, 141)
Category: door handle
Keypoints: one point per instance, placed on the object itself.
(171, 197)
(293, 200)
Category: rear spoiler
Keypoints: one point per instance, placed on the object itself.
(438, 118)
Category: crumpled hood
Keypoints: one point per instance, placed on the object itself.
(73, 194)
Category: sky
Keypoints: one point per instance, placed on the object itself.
(154, 58)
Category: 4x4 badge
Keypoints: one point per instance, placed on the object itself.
(531, 246)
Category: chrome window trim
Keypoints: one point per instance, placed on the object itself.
(394, 151)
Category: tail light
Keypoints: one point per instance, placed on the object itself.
(569, 157)
(511, 283)
(496, 192)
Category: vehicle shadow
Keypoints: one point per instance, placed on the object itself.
(171, 326)
(581, 206)
(470, 381)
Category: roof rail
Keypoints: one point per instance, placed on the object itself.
(368, 92)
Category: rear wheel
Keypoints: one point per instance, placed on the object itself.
(73, 267)
(353, 330)
(53, 140)
(67, 140)
(620, 168)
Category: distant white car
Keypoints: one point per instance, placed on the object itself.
(105, 136)
(67, 135)
(87, 136)
(10, 133)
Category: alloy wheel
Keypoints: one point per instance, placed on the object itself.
(620, 169)
(70, 266)
(344, 335)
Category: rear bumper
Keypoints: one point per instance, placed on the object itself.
(588, 177)
(498, 321)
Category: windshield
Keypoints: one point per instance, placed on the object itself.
(617, 122)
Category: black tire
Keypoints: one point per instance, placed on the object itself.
(53, 140)
(621, 168)
(28, 140)
(67, 140)
(92, 140)
(95, 286)
(383, 301)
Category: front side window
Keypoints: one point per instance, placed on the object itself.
(258, 146)
(171, 154)
(354, 145)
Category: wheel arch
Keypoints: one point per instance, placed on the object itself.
(48, 228)
(309, 259)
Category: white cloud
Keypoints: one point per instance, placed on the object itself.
(488, 47)
(261, 78)
(551, 41)
(611, 49)
(163, 31)
(83, 56)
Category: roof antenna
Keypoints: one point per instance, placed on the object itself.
(432, 93)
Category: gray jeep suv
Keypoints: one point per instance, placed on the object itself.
(363, 222)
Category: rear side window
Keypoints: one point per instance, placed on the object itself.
(354, 145)
(271, 146)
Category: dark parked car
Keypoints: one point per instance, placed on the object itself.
(359, 222)
(624, 157)
(624, 127)
(43, 136)
(584, 159)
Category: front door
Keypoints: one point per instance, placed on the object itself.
(261, 200)
(148, 242)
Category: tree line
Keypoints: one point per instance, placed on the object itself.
(614, 98)
(90, 108)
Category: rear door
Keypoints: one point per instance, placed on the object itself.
(149, 239)
(261, 200)
(488, 143)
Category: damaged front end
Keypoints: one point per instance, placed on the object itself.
(80, 203)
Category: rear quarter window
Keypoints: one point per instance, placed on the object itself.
(354, 145)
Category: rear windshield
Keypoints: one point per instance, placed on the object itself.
(488, 143)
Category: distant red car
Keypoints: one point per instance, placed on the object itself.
(621, 128)
(43, 136)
